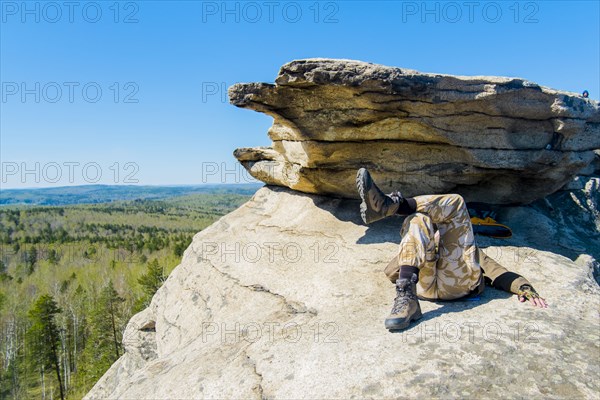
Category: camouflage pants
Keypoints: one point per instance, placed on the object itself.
(438, 239)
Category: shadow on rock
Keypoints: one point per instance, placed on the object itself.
(384, 231)
(458, 305)
(565, 223)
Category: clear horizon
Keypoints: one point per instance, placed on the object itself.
(132, 185)
(134, 92)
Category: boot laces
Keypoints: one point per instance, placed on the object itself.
(403, 298)
(396, 196)
(400, 302)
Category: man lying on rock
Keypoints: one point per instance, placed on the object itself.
(438, 257)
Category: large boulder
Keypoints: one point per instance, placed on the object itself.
(285, 298)
(492, 139)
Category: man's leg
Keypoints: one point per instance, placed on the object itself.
(414, 264)
(417, 248)
(377, 205)
(457, 272)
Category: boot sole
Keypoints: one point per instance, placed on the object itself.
(393, 325)
(360, 184)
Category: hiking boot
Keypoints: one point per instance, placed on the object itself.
(375, 204)
(406, 305)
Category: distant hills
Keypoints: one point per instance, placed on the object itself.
(91, 194)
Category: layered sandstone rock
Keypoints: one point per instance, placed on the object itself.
(491, 139)
(285, 298)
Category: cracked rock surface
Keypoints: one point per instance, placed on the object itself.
(286, 297)
(492, 139)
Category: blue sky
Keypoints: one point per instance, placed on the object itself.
(134, 91)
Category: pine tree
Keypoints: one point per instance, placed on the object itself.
(4, 276)
(110, 303)
(31, 258)
(179, 249)
(152, 280)
(44, 336)
(106, 330)
(53, 257)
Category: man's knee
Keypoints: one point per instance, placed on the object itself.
(419, 219)
(457, 201)
(418, 222)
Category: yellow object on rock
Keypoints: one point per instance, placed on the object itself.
(489, 227)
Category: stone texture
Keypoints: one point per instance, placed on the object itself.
(286, 297)
(491, 139)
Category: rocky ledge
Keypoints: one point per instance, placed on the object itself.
(492, 139)
(285, 298)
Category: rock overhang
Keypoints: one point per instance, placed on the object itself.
(492, 139)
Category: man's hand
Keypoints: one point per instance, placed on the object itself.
(527, 292)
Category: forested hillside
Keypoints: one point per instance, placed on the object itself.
(88, 194)
(72, 276)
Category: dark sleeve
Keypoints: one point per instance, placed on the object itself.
(498, 276)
